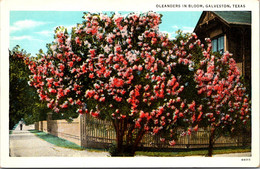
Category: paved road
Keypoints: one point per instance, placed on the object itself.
(26, 144)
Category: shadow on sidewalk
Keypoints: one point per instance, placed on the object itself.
(56, 140)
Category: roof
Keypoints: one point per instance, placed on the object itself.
(235, 17)
(228, 18)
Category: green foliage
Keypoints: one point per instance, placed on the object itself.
(23, 100)
(193, 152)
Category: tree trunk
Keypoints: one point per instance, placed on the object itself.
(211, 141)
(119, 136)
(138, 140)
(122, 148)
(244, 137)
(129, 136)
(129, 146)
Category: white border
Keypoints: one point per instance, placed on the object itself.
(122, 5)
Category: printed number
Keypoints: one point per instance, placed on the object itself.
(245, 159)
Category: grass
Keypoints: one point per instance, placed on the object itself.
(61, 142)
(192, 152)
(56, 140)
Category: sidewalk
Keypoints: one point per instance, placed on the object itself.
(26, 144)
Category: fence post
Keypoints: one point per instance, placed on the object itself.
(238, 141)
(188, 138)
(83, 134)
(49, 119)
(36, 125)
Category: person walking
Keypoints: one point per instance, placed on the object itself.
(21, 124)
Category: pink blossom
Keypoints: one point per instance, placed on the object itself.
(172, 143)
(155, 130)
(91, 75)
(140, 68)
(78, 40)
(70, 64)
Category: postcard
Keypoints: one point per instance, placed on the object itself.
(129, 83)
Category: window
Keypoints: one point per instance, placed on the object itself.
(218, 44)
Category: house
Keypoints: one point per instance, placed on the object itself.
(229, 31)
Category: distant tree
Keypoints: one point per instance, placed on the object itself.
(23, 100)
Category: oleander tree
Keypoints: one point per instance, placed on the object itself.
(123, 69)
(222, 100)
(225, 102)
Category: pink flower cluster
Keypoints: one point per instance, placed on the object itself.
(218, 80)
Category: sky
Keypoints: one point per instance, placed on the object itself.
(32, 30)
